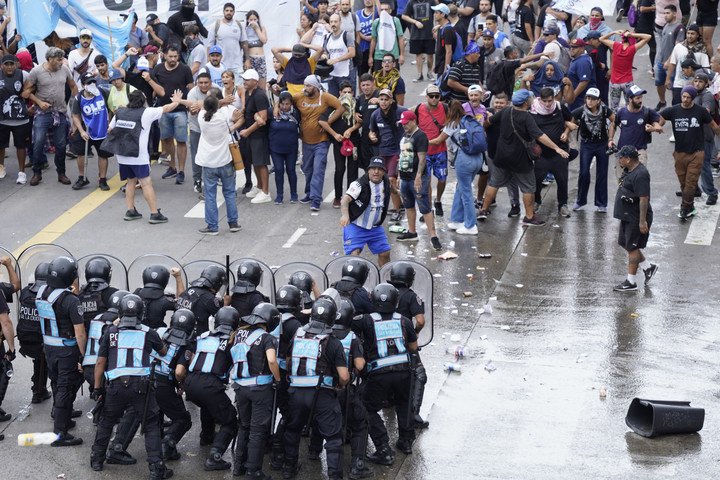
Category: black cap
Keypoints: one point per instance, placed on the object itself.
(628, 151)
(377, 162)
(151, 17)
(9, 59)
(88, 77)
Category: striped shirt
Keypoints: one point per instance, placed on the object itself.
(373, 212)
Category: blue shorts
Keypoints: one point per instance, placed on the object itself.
(660, 74)
(174, 125)
(437, 165)
(133, 171)
(409, 195)
(355, 238)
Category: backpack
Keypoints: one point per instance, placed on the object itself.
(564, 60)
(217, 27)
(458, 51)
(495, 79)
(471, 137)
(632, 15)
(441, 83)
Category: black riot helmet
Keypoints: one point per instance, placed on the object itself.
(355, 269)
(264, 313)
(402, 274)
(42, 271)
(98, 270)
(289, 299)
(212, 277)
(323, 315)
(385, 298)
(131, 310)
(182, 325)
(62, 272)
(346, 312)
(249, 274)
(156, 276)
(115, 300)
(303, 280)
(227, 320)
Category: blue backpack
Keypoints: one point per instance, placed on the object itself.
(459, 50)
(471, 137)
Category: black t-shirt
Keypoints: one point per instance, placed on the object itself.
(553, 126)
(708, 6)
(135, 79)
(511, 153)
(420, 10)
(152, 342)
(365, 108)
(179, 20)
(254, 103)
(3, 305)
(409, 304)
(6, 291)
(177, 79)
(593, 129)
(508, 75)
(646, 21)
(523, 15)
(687, 126)
(71, 305)
(464, 20)
(633, 185)
(410, 146)
(446, 36)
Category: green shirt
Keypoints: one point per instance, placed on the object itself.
(396, 48)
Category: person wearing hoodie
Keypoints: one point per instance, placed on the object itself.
(178, 21)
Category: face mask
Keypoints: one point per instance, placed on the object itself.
(93, 89)
(595, 22)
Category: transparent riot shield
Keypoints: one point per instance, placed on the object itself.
(137, 266)
(5, 278)
(267, 281)
(34, 255)
(423, 286)
(119, 274)
(194, 269)
(333, 270)
(283, 274)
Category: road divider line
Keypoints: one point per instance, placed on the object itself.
(198, 211)
(330, 197)
(294, 237)
(702, 228)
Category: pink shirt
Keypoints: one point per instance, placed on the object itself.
(622, 62)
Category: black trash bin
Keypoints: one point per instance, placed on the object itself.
(651, 418)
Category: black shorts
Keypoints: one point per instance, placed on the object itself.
(20, 133)
(259, 151)
(630, 237)
(77, 146)
(707, 19)
(418, 47)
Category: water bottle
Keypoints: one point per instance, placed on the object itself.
(32, 439)
(23, 413)
(458, 351)
(453, 367)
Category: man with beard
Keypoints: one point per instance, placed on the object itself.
(215, 67)
(636, 123)
(82, 59)
(180, 20)
(229, 35)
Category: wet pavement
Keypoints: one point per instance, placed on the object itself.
(556, 337)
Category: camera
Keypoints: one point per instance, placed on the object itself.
(611, 150)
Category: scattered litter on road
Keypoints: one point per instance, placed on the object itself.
(490, 366)
(504, 327)
(519, 285)
(556, 225)
(578, 360)
(437, 275)
(315, 214)
(496, 281)
(454, 283)
(62, 475)
(479, 268)
(565, 348)
(603, 393)
(335, 253)
(634, 315)
(459, 351)
(432, 344)
(453, 367)
(454, 312)
(524, 254)
(455, 337)
(492, 299)
(451, 244)
(484, 255)
(470, 276)
(483, 337)
(518, 322)
(464, 304)
(447, 256)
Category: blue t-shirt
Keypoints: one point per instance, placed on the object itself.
(94, 115)
(632, 126)
(389, 136)
(581, 70)
(365, 24)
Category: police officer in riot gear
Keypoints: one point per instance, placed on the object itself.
(9, 288)
(255, 369)
(289, 302)
(124, 361)
(205, 386)
(157, 303)
(410, 305)
(309, 289)
(354, 274)
(200, 297)
(245, 296)
(64, 338)
(178, 339)
(30, 336)
(317, 365)
(388, 338)
(95, 295)
(6, 355)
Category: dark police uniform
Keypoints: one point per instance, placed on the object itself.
(409, 306)
(5, 380)
(252, 381)
(357, 294)
(60, 311)
(203, 303)
(157, 304)
(31, 342)
(245, 303)
(94, 301)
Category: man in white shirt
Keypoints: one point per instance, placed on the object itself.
(552, 46)
(340, 48)
(82, 59)
(230, 35)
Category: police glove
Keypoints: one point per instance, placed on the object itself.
(10, 355)
(97, 393)
(276, 384)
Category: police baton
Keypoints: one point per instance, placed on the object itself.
(227, 274)
(347, 409)
(273, 416)
(411, 393)
(147, 399)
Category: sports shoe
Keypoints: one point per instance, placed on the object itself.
(180, 179)
(234, 227)
(170, 172)
(22, 178)
(430, 77)
(419, 79)
(711, 200)
(396, 217)
(533, 222)
(482, 214)
(157, 218)
(254, 191)
(467, 231)
(438, 209)
(66, 440)
(293, 200)
(577, 206)
(407, 237)
(436, 243)
(650, 272)
(261, 197)
(315, 207)
(549, 178)
(278, 201)
(454, 225)
(382, 456)
(620, 15)
(197, 186)
(207, 231)
(687, 213)
(671, 139)
(2, 171)
(305, 200)
(81, 182)
(103, 185)
(660, 106)
(625, 286)
(247, 188)
(4, 416)
(514, 211)
(62, 178)
(564, 211)
(132, 215)
(336, 203)
(601, 209)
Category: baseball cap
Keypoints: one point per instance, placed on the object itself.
(689, 63)
(250, 74)
(143, 65)
(432, 89)
(385, 91)
(9, 59)
(151, 18)
(215, 49)
(488, 33)
(474, 88)
(634, 91)
(592, 92)
(551, 31)
(150, 50)
(699, 75)
(115, 75)
(187, 3)
(577, 42)
(442, 8)
(406, 117)
(88, 77)
(298, 50)
(85, 32)
(377, 162)
(593, 34)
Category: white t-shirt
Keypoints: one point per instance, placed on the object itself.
(318, 38)
(195, 95)
(238, 98)
(198, 55)
(148, 117)
(337, 47)
(75, 59)
(677, 56)
(373, 212)
(213, 151)
(552, 50)
(229, 36)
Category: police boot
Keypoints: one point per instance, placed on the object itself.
(158, 471)
(66, 440)
(276, 461)
(259, 475)
(40, 396)
(404, 445)
(96, 462)
(206, 438)
(358, 469)
(4, 416)
(290, 470)
(117, 456)
(216, 462)
(420, 423)
(169, 450)
(382, 456)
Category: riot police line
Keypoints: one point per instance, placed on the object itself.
(346, 335)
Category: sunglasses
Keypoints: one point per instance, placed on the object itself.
(85, 37)
(388, 61)
(433, 95)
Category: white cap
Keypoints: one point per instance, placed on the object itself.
(85, 32)
(593, 92)
(250, 74)
(143, 65)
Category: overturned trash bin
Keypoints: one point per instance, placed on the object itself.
(651, 418)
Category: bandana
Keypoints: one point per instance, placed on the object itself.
(387, 80)
(539, 108)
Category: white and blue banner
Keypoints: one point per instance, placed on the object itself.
(583, 7)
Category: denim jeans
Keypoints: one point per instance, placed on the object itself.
(196, 169)
(706, 178)
(588, 151)
(226, 176)
(463, 206)
(335, 82)
(314, 163)
(42, 123)
(285, 162)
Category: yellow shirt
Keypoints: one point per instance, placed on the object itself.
(311, 112)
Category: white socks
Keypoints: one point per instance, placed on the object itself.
(632, 279)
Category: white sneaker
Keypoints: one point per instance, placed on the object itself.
(2, 171)
(671, 139)
(253, 192)
(467, 231)
(22, 178)
(454, 226)
(261, 197)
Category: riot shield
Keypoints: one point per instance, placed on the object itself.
(333, 270)
(283, 274)
(135, 270)
(5, 278)
(119, 274)
(423, 286)
(36, 254)
(267, 281)
(194, 269)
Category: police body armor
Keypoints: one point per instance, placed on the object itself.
(28, 318)
(205, 352)
(151, 317)
(307, 365)
(128, 358)
(244, 303)
(346, 288)
(389, 343)
(95, 333)
(346, 342)
(49, 324)
(91, 302)
(244, 353)
(164, 363)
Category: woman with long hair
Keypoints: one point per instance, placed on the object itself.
(256, 40)
(284, 134)
(214, 157)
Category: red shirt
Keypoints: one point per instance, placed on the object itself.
(622, 62)
(426, 124)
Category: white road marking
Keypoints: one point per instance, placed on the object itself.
(702, 228)
(294, 238)
(330, 197)
(198, 211)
